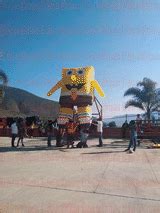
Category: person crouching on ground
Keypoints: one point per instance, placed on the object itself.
(70, 129)
(133, 137)
(84, 133)
(14, 132)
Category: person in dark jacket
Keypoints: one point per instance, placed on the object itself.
(50, 132)
(133, 137)
(21, 131)
(125, 127)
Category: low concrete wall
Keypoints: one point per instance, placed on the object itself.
(5, 132)
(107, 133)
(113, 133)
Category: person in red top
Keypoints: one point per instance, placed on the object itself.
(70, 129)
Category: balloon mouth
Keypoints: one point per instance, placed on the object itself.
(74, 86)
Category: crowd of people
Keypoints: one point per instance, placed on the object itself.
(64, 136)
(73, 131)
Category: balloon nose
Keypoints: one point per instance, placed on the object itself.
(73, 78)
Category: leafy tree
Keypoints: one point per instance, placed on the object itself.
(105, 124)
(112, 124)
(145, 96)
(3, 77)
(3, 83)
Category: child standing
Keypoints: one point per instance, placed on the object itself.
(70, 129)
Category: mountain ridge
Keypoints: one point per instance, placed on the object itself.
(18, 102)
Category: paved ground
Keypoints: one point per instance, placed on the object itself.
(38, 179)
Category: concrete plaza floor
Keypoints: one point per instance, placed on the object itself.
(40, 179)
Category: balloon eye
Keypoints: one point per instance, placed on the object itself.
(80, 72)
(69, 72)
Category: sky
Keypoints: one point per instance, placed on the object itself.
(121, 39)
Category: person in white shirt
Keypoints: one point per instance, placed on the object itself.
(100, 131)
(14, 132)
(99, 125)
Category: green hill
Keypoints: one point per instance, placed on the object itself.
(18, 102)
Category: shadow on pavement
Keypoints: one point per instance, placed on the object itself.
(113, 146)
(107, 152)
(29, 149)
